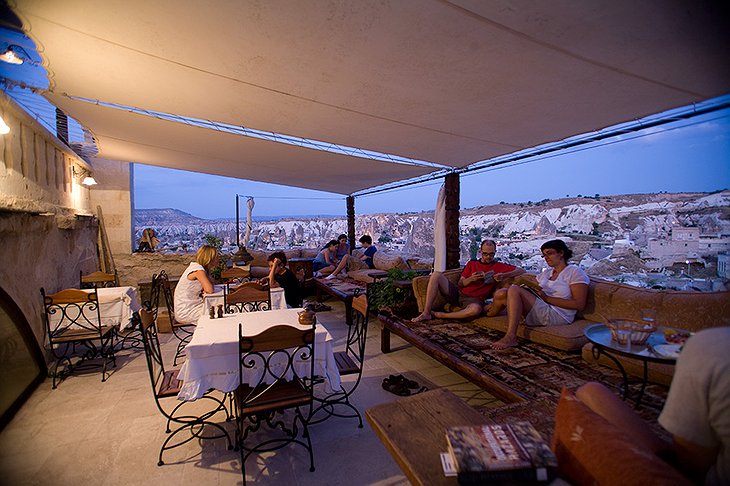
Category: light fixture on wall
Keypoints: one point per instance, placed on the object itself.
(4, 128)
(83, 175)
(14, 54)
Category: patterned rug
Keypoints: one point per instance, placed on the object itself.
(538, 372)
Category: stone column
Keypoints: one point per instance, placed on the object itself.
(452, 221)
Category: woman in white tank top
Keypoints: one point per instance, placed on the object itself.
(193, 283)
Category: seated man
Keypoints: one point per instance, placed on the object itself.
(472, 289)
(697, 411)
(369, 250)
(281, 276)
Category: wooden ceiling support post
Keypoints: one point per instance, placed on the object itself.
(351, 221)
(453, 249)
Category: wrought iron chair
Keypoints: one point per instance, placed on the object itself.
(98, 279)
(162, 291)
(73, 321)
(235, 275)
(349, 362)
(128, 337)
(165, 384)
(247, 297)
(276, 372)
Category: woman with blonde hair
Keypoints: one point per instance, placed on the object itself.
(195, 281)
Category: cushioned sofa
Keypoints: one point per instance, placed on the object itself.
(606, 300)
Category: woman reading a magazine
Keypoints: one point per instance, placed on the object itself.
(558, 293)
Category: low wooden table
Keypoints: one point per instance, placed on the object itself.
(338, 289)
(413, 430)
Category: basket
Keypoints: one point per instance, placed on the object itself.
(640, 330)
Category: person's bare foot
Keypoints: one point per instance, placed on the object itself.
(426, 316)
(492, 310)
(505, 342)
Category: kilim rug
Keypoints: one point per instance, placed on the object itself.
(538, 372)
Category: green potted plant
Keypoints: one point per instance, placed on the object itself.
(384, 293)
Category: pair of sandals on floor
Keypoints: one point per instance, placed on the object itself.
(402, 386)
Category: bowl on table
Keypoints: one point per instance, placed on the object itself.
(633, 331)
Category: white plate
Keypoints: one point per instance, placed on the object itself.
(668, 350)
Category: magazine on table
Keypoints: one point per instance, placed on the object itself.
(500, 452)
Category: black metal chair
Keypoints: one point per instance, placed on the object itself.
(235, 275)
(98, 279)
(276, 371)
(75, 328)
(247, 297)
(162, 292)
(349, 362)
(165, 384)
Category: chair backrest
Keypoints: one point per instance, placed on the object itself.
(153, 354)
(277, 355)
(98, 279)
(161, 293)
(235, 274)
(72, 312)
(247, 297)
(357, 333)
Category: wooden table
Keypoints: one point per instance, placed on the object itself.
(413, 430)
(343, 291)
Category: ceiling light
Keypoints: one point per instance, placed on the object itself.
(89, 181)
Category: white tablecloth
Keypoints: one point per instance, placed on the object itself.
(213, 356)
(116, 306)
(216, 298)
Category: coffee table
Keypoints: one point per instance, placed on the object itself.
(413, 429)
(600, 336)
(339, 289)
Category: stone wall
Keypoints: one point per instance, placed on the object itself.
(113, 195)
(47, 231)
(138, 267)
(37, 253)
(38, 173)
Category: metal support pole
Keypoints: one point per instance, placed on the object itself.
(453, 244)
(351, 221)
(238, 223)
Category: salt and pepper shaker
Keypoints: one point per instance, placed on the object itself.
(220, 310)
(211, 312)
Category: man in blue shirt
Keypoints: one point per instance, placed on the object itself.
(368, 250)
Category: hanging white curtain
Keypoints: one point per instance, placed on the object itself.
(250, 204)
(439, 231)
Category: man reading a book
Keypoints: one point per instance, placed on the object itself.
(478, 281)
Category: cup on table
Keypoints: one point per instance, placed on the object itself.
(648, 316)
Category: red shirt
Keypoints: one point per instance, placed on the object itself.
(479, 289)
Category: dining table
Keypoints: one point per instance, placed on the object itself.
(213, 357)
(117, 306)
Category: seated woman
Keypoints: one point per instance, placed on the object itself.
(195, 281)
(325, 262)
(564, 292)
(281, 276)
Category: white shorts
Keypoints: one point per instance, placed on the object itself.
(543, 314)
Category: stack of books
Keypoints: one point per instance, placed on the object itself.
(503, 452)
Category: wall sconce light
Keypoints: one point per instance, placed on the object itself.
(84, 175)
(14, 54)
(4, 128)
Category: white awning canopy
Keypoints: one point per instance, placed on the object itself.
(449, 82)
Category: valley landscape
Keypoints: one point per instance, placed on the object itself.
(632, 237)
